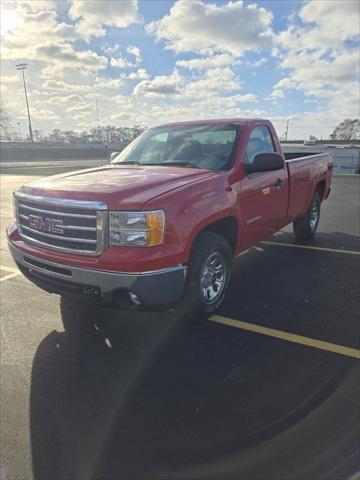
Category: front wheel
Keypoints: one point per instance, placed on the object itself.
(306, 226)
(208, 275)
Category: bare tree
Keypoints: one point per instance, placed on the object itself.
(4, 123)
(106, 134)
(56, 135)
(347, 130)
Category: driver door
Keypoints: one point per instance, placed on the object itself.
(263, 196)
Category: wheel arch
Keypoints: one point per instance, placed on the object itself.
(226, 226)
(321, 189)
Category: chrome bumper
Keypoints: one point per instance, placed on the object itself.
(156, 288)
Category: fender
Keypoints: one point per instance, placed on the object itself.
(204, 224)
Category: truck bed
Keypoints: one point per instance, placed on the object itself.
(299, 155)
(306, 171)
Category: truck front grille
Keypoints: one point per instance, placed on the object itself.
(66, 225)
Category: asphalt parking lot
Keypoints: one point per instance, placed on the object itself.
(267, 389)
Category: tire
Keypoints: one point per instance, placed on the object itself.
(208, 276)
(306, 226)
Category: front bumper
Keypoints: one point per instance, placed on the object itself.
(127, 290)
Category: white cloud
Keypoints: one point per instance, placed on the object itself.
(325, 24)
(317, 55)
(111, 49)
(107, 84)
(36, 6)
(199, 27)
(221, 60)
(258, 63)
(276, 95)
(66, 56)
(133, 50)
(64, 99)
(214, 80)
(336, 21)
(230, 101)
(161, 85)
(140, 74)
(284, 83)
(314, 74)
(34, 29)
(81, 107)
(44, 114)
(9, 79)
(92, 15)
(61, 86)
(121, 62)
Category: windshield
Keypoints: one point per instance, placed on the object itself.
(209, 147)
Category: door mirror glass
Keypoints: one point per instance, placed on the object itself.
(265, 162)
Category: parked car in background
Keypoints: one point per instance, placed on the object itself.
(352, 145)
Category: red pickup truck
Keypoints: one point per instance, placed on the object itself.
(162, 222)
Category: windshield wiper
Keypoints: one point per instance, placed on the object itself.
(126, 162)
(173, 164)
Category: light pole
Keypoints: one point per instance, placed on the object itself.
(22, 67)
(98, 121)
(19, 130)
(287, 129)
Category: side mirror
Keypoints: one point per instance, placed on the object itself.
(113, 155)
(265, 162)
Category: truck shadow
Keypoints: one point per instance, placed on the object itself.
(152, 393)
(78, 380)
(336, 240)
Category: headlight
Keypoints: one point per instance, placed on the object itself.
(138, 229)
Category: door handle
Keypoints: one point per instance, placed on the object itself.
(279, 183)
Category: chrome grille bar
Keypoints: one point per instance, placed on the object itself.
(82, 229)
(66, 225)
(60, 249)
(57, 237)
(51, 212)
(60, 202)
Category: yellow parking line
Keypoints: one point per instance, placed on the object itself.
(289, 337)
(9, 269)
(308, 247)
(11, 275)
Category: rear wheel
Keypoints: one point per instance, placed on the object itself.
(306, 226)
(208, 275)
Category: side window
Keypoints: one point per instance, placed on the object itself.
(260, 141)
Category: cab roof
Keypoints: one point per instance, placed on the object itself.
(217, 121)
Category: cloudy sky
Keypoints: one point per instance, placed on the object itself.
(152, 61)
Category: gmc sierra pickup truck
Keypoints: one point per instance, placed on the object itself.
(161, 223)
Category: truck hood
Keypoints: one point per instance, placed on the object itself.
(120, 187)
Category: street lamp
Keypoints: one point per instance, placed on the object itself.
(22, 67)
(19, 130)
